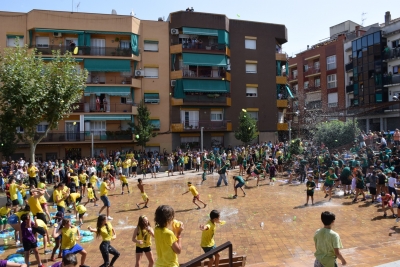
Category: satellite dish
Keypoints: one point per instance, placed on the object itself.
(114, 12)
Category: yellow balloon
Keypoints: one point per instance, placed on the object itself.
(76, 50)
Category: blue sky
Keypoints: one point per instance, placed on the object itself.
(307, 21)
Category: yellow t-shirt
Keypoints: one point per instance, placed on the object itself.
(125, 164)
(82, 178)
(32, 172)
(41, 223)
(130, 156)
(106, 235)
(76, 179)
(193, 190)
(186, 160)
(42, 199)
(20, 213)
(123, 179)
(145, 236)
(68, 239)
(207, 236)
(103, 189)
(81, 209)
(22, 189)
(60, 195)
(90, 193)
(164, 239)
(74, 196)
(4, 211)
(34, 204)
(13, 191)
(134, 163)
(93, 180)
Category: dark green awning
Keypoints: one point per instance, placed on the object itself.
(152, 98)
(200, 31)
(59, 30)
(204, 59)
(150, 42)
(110, 90)
(14, 36)
(208, 86)
(108, 65)
(106, 117)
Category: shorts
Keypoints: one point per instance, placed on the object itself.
(396, 142)
(196, 197)
(62, 209)
(25, 197)
(141, 250)
(328, 185)
(82, 184)
(207, 249)
(105, 200)
(81, 215)
(15, 202)
(310, 193)
(28, 245)
(124, 184)
(390, 203)
(3, 220)
(39, 230)
(43, 205)
(239, 185)
(360, 186)
(372, 190)
(75, 249)
(170, 167)
(145, 197)
(134, 169)
(13, 219)
(41, 216)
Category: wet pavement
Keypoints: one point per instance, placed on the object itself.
(286, 239)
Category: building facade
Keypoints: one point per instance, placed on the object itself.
(220, 66)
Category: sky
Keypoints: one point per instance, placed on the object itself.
(307, 21)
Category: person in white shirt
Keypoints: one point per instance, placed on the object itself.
(383, 142)
(21, 162)
(391, 184)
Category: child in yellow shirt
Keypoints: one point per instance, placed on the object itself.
(4, 213)
(207, 237)
(196, 195)
(91, 195)
(124, 182)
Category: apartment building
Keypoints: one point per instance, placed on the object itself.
(220, 66)
(316, 77)
(127, 60)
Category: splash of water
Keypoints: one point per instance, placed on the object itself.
(226, 212)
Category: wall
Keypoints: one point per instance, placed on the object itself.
(198, 20)
(12, 23)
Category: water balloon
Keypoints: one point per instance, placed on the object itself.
(294, 218)
(137, 136)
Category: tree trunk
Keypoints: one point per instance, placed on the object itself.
(32, 146)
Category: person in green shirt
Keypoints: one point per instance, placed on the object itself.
(310, 189)
(203, 176)
(244, 166)
(329, 182)
(327, 243)
(359, 186)
(222, 175)
(181, 161)
(239, 184)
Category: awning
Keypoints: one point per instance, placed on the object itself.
(153, 98)
(15, 36)
(151, 42)
(289, 92)
(109, 90)
(108, 65)
(200, 31)
(108, 117)
(204, 59)
(52, 58)
(223, 37)
(59, 30)
(103, 32)
(208, 86)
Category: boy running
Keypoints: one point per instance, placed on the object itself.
(145, 198)
(239, 184)
(196, 195)
(124, 183)
(329, 182)
(204, 176)
(207, 237)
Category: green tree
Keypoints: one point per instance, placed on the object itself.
(8, 134)
(143, 129)
(37, 92)
(295, 147)
(247, 130)
(335, 133)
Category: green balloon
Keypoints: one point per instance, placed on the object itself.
(137, 136)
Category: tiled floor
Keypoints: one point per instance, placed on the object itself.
(285, 240)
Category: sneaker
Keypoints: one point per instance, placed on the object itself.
(109, 218)
(235, 196)
(129, 192)
(244, 193)
(145, 206)
(17, 243)
(326, 195)
(394, 216)
(306, 204)
(397, 219)
(137, 205)
(122, 193)
(47, 251)
(384, 215)
(205, 205)
(364, 199)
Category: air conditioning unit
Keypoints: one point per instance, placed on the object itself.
(173, 83)
(139, 73)
(174, 31)
(57, 34)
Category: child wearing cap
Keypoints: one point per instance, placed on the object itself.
(196, 195)
(310, 189)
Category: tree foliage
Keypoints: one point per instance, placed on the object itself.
(37, 92)
(143, 129)
(295, 148)
(335, 133)
(8, 134)
(247, 130)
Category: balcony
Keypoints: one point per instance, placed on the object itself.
(282, 103)
(205, 100)
(204, 47)
(98, 80)
(314, 105)
(350, 88)
(106, 108)
(292, 78)
(59, 137)
(281, 79)
(349, 66)
(136, 83)
(312, 72)
(282, 127)
(87, 51)
(281, 56)
(201, 72)
(390, 81)
(196, 125)
(391, 55)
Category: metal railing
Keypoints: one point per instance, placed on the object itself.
(208, 125)
(204, 46)
(111, 107)
(349, 66)
(311, 71)
(85, 136)
(391, 80)
(204, 99)
(202, 73)
(87, 50)
(292, 77)
(96, 79)
(211, 253)
(391, 54)
(350, 88)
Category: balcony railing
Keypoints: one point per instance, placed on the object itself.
(292, 77)
(87, 50)
(208, 125)
(392, 54)
(312, 71)
(204, 100)
(391, 80)
(203, 73)
(85, 136)
(111, 107)
(350, 88)
(96, 79)
(203, 47)
(333, 105)
(349, 66)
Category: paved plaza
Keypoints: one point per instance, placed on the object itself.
(285, 240)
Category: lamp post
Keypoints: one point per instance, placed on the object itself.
(290, 132)
(201, 138)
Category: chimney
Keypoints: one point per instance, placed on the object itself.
(388, 18)
(357, 30)
(308, 47)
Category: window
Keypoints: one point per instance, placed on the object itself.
(151, 72)
(331, 62)
(124, 44)
(331, 81)
(42, 127)
(333, 100)
(190, 119)
(305, 68)
(251, 91)
(42, 42)
(217, 141)
(306, 84)
(153, 98)
(317, 82)
(316, 66)
(250, 44)
(11, 41)
(294, 73)
(216, 116)
(395, 69)
(20, 129)
(156, 124)
(253, 114)
(151, 46)
(251, 68)
(295, 88)
(123, 100)
(98, 127)
(190, 142)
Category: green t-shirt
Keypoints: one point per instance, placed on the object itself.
(346, 172)
(223, 170)
(326, 241)
(244, 162)
(310, 186)
(239, 179)
(330, 178)
(218, 160)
